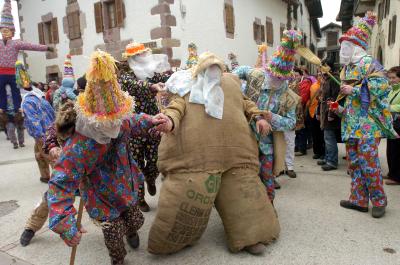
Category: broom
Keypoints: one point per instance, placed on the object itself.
(78, 224)
(312, 58)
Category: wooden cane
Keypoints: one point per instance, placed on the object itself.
(78, 225)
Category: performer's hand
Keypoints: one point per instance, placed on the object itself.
(159, 87)
(263, 127)
(55, 153)
(268, 116)
(76, 239)
(346, 90)
(163, 122)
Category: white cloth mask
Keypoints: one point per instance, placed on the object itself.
(351, 53)
(146, 65)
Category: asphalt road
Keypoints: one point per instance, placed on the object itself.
(315, 230)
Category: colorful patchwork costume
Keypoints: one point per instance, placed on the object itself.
(366, 118)
(9, 50)
(280, 101)
(143, 149)
(39, 116)
(96, 161)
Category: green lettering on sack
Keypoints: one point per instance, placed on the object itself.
(212, 183)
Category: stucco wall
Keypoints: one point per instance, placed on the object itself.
(203, 24)
(391, 54)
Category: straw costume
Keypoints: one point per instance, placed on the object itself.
(66, 91)
(271, 93)
(366, 117)
(144, 149)
(39, 116)
(96, 161)
(9, 50)
(210, 154)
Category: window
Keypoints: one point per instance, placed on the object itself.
(332, 38)
(53, 77)
(295, 11)
(380, 12)
(74, 28)
(392, 30)
(270, 31)
(282, 29)
(110, 10)
(258, 31)
(229, 19)
(48, 32)
(387, 7)
(112, 17)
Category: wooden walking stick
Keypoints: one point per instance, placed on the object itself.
(78, 225)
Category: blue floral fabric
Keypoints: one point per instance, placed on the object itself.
(39, 115)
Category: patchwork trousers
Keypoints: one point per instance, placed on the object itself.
(365, 170)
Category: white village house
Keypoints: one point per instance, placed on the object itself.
(385, 41)
(221, 26)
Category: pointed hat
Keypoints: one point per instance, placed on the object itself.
(282, 62)
(68, 69)
(7, 20)
(361, 32)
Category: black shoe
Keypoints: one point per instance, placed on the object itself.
(152, 189)
(144, 207)
(26, 237)
(300, 153)
(321, 163)
(15, 146)
(133, 241)
(291, 174)
(44, 180)
(277, 185)
(328, 168)
(349, 205)
(317, 156)
(281, 173)
(378, 212)
(21, 145)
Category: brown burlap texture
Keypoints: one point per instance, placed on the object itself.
(246, 212)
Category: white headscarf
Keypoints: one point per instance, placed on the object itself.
(145, 65)
(351, 53)
(205, 89)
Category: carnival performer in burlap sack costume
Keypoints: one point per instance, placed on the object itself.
(210, 157)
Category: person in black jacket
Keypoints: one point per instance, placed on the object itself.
(330, 122)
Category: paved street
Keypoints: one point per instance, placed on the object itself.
(315, 230)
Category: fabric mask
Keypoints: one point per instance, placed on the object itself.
(146, 65)
(351, 53)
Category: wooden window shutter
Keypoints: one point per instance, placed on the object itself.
(394, 24)
(255, 31)
(77, 24)
(262, 32)
(54, 31)
(98, 15)
(270, 31)
(41, 33)
(229, 19)
(119, 11)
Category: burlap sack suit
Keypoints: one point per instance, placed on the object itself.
(209, 161)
